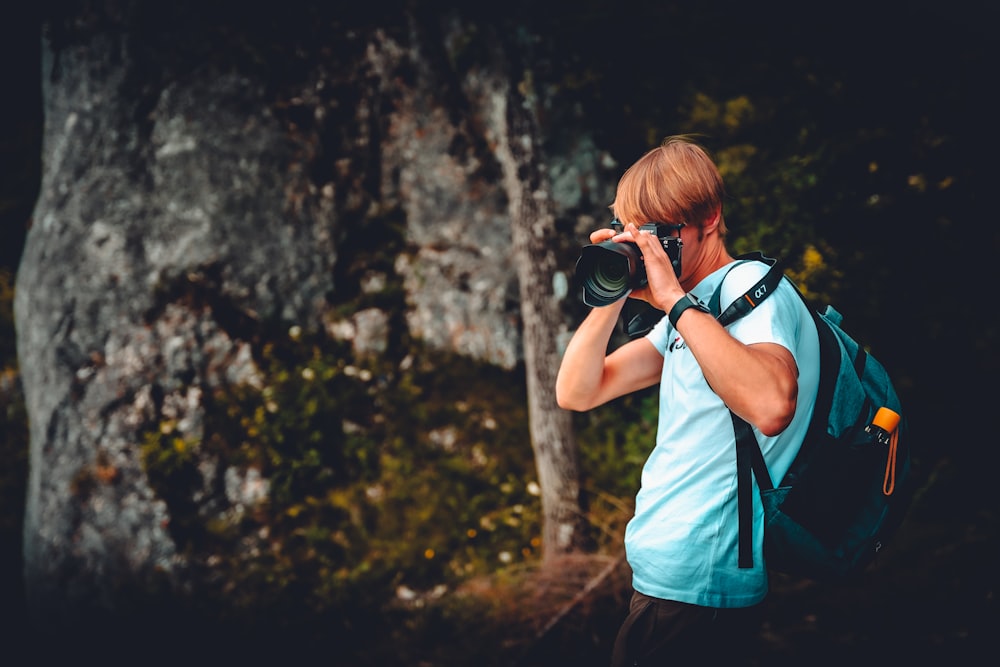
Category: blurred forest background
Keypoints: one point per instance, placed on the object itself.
(858, 142)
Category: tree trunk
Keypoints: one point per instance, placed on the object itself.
(532, 226)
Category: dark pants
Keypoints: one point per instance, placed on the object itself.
(663, 632)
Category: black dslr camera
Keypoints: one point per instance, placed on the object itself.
(609, 270)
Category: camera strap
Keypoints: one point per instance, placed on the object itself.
(753, 296)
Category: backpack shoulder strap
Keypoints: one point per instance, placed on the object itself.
(749, 458)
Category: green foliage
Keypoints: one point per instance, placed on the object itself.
(379, 477)
(614, 441)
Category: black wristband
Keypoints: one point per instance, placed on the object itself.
(683, 304)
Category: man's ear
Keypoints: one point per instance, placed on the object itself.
(712, 224)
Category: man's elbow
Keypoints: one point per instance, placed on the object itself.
(567, 401)
(777, 419)
(570, 397)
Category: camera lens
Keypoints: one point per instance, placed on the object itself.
(610, 275)
(607, 271)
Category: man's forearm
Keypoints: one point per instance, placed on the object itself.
(582, 367)
(764, 390)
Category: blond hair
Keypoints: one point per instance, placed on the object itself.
(677, 182)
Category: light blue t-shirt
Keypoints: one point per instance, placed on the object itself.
(682, 542)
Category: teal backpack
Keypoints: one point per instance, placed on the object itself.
(848, 488)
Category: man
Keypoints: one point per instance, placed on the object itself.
(691, 599)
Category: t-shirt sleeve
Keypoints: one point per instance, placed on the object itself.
(659, 334)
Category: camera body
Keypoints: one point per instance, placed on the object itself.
(610, 270)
